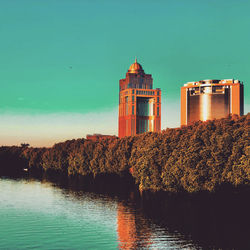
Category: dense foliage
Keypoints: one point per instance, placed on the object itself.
(193, 158)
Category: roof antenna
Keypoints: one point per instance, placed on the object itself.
(135, 59)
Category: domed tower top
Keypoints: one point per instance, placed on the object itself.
(136, 68)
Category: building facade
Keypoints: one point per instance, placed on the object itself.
(139, 103)
(211, 99)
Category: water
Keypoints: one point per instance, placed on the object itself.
(43, 215)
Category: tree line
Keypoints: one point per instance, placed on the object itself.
(199, 157)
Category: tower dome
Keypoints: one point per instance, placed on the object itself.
(135, 68)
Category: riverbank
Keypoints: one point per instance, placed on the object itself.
(202, 157)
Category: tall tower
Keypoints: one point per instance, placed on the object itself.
(211, 99)
(139, 103)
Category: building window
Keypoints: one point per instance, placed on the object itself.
(158, 99)
(126, 105)
(158, 111)
(133, 98)
(133, 91)
(133, 110)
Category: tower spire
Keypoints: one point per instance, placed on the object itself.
(136, 59)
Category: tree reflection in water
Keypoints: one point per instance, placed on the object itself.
(160, 220)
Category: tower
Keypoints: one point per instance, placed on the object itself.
(139, 103)
(211, 99)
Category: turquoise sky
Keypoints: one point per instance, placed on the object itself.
(61, 60)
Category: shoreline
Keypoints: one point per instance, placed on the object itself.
(204, 157)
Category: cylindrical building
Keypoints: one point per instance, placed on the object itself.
(211, 99)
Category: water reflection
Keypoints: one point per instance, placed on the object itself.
(178, 221)
(133, 230)
(214, 221)
(208, 221)
(133, 222)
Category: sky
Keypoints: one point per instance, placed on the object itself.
(61, 60)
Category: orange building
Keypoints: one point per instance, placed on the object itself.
(211, 99)
(139, 103)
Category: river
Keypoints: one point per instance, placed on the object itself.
(40, 214)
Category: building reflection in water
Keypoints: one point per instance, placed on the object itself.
(131, 229)
(137, 231)
(209, 221)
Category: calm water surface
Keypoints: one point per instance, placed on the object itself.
(41, 215)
